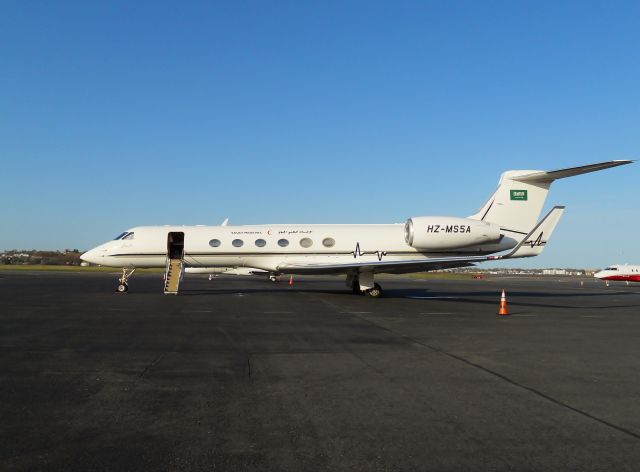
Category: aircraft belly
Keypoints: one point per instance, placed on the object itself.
(214, 261)
(143, 262)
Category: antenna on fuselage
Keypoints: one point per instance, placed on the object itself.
(225, 222)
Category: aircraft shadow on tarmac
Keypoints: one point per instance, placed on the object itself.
(485, 297)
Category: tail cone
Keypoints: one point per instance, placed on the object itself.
(503, 305)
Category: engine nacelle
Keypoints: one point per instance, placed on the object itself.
(448, 232)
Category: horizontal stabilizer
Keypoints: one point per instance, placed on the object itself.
(550, 176)
(535, 241)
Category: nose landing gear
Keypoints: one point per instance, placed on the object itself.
(123, 285)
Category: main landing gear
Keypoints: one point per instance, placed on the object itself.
(363, 284)
(123, 285)
(375, 292)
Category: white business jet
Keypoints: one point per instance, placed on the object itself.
(507, 222)
(624, 272)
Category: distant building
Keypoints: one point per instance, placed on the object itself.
(573, 272)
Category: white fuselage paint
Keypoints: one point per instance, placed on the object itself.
(148, 246)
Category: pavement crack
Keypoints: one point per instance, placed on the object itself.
(368, 364)
(509, 380)
(532, 390)
(151, 365)
(493, 373)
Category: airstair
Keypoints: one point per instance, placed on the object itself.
(175, 262)
(172, 276)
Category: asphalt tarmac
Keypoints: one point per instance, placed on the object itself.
(239, 373)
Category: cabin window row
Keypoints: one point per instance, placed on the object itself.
(304, 242)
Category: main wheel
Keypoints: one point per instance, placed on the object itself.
(122, 288)
(375, 292)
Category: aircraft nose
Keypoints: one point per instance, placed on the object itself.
(87, 256)
(91, 256)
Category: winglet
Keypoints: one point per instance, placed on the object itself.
(534, 242)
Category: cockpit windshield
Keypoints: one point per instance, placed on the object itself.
(611, 268)
(125, 235)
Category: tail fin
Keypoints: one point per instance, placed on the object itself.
(520, 196)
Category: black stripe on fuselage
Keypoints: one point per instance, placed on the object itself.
(485, 213)
(254, 254)
(513, 231)
(240, 254)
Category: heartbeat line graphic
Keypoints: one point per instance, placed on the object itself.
(357, 252)
(537, 242)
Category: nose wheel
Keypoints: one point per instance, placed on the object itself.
(123, 285)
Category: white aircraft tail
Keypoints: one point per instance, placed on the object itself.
(517, 203)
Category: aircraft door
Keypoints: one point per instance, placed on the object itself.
(175, 245)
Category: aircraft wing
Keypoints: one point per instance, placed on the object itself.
(406, 266)
(531, 245)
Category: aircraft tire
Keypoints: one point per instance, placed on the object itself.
(375, 292)
(122, 288)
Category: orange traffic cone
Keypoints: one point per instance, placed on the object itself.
(503, 305)
(291, 281)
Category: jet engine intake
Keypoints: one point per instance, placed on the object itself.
(447, 232)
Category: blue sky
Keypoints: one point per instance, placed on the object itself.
(116, 114)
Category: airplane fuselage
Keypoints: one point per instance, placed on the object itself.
(270, 247)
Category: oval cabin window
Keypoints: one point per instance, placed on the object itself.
(283, 242)
(214, 243)
(237, 243)
(306, 242)
(328, 242)
(261, 243)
